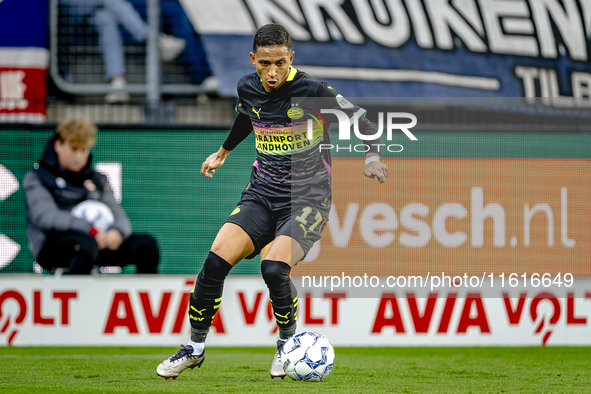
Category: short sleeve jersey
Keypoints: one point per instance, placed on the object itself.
(286, 157)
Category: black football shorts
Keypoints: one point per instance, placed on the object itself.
(264, 219)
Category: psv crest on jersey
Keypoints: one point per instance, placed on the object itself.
(295, 113)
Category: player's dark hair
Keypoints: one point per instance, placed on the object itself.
(269, 35)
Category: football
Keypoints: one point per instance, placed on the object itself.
(95, 212)
(307, 356)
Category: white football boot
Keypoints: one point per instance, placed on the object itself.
(183, 359)
(276, 370)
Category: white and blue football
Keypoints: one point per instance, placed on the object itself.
(307, 356)
(95, 212)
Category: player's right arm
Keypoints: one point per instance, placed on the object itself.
(214, 161)
(240, 130)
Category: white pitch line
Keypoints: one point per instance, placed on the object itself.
(390, 75)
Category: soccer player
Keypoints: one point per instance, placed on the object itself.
(287, 201)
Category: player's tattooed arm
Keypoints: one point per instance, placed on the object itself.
(214, 161)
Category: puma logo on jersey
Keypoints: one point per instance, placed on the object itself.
(257, 112)
(305, 231)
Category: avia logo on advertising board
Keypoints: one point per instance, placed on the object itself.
(474, 314)
(153, 311)
(430, 48)
(122, 314)
(60, 312)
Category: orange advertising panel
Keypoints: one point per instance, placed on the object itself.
(457, 215)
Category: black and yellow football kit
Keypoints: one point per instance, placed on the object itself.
(289, 191)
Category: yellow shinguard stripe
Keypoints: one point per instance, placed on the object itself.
(216, 312)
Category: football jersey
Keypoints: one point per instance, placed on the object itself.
(288, 161)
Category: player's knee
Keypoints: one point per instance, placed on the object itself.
(275, 271)
(215, 269)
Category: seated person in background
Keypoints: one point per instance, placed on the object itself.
(64, 179)
(107, 16)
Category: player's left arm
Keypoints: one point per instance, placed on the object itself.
(374, 168)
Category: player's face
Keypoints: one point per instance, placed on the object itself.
(272, 64)
(71, 158)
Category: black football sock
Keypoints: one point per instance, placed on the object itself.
(207, 296)
(283, 294)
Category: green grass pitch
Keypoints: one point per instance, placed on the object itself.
(50, 370)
